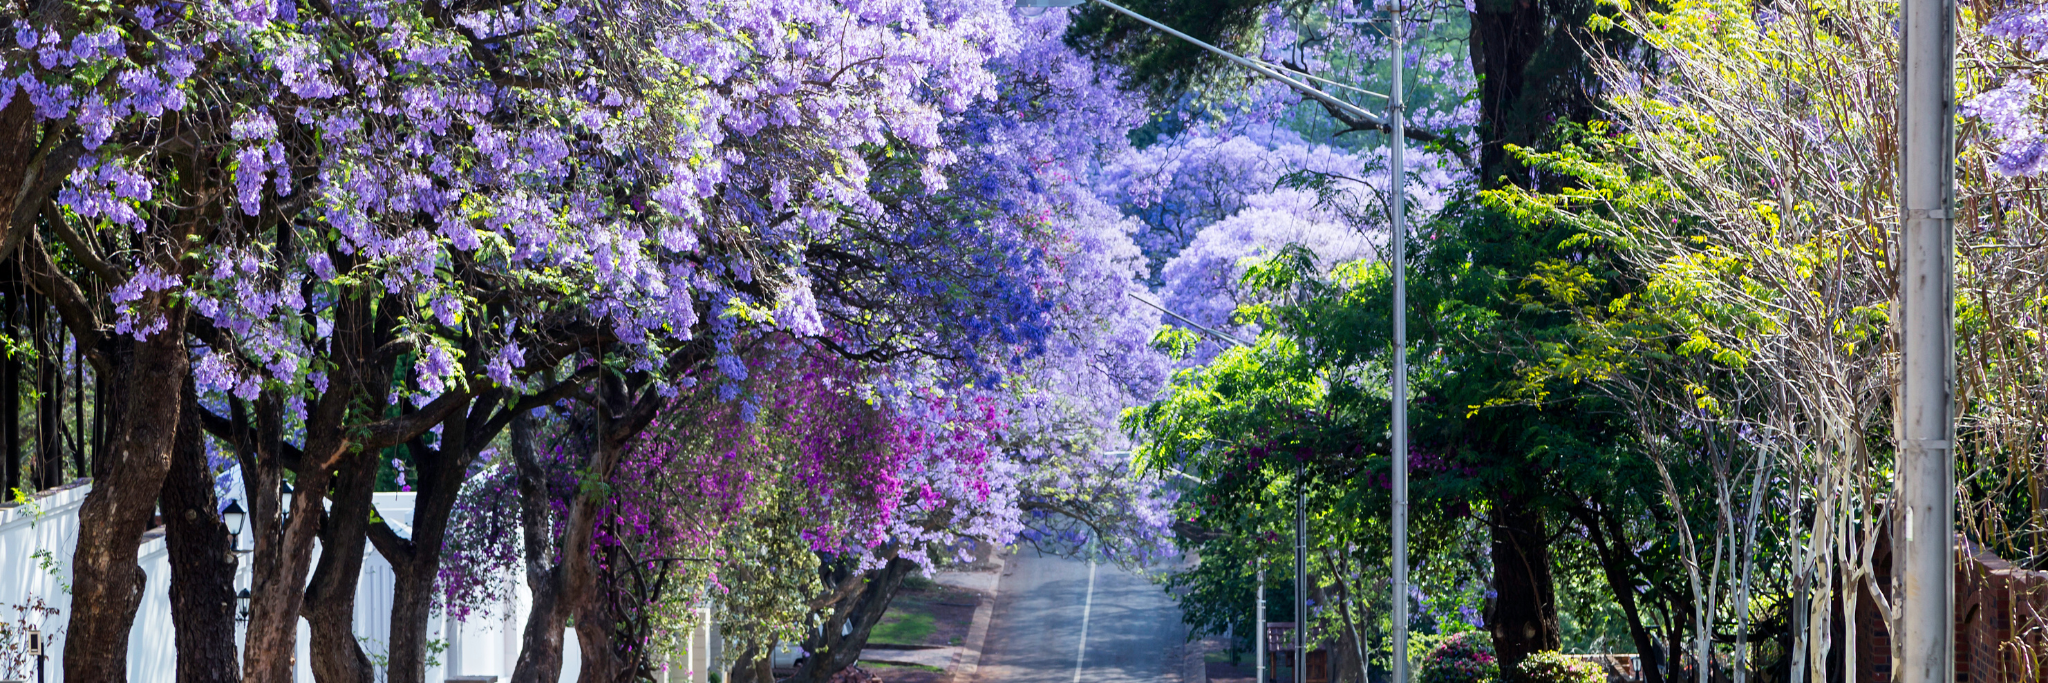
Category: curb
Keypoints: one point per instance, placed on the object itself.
(967, 660)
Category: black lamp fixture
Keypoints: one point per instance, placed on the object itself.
(242, 605)
(234, 516)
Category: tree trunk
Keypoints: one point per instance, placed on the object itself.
(1617, 564)
(1524, 616)
(284, 544)
(752, 667)
(106, 580)
(830, 652)
(594, 640)
(78, 454)
(331, 595)
(1504, 36)
(49, 406)
(540, 651)
(17, 145)
(412, 603)
(443, 470)
(582, 596)
(540, 645)
(581, 591)
(10, 388)
(202, 583)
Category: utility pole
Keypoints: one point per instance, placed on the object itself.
(1259, 635)
(1397, 240)
(1300, 574)
(1924, 583)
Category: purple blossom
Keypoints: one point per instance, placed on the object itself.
(502, 364)
(433, 368)
(2027, 25)
(2008, 111)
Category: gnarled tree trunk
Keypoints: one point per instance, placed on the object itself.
(106, 579)
(580, 589)
(855, 617)
(540, 650)
(202, 560)
(331, 595)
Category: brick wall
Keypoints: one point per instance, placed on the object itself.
(2001, 621)
(2001, 632)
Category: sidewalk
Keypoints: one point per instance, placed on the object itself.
(942, 630)
(985, 580)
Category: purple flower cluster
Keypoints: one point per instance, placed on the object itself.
(2008, 111)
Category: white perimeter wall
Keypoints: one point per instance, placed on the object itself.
(487, 645)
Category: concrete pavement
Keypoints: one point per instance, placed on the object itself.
(1132, 630)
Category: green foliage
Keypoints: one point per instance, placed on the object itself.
(1552, 667)
(1462, 658)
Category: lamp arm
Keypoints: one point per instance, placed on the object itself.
(1262, 69)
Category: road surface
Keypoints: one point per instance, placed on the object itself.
(1133, 631)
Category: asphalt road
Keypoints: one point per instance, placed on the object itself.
(1133, 632)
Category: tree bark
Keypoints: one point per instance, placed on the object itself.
(617, 416)
(830, 652)
(540, 651)
(1617, 564)
(1504, 36)
(202, 583)
(284, 544)
(752, 667)
(331, 595)
(1524, 616)
(49, 466)
(413, 569)
(18, 145)
(416, 562)
(10, 384)
(106, 580)
(580, 588)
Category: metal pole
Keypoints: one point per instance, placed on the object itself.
(1925, 578)
(1397, 240)
(1300, 575)
(1259, 654)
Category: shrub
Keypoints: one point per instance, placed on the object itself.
(1462, 658)
(1553, 667)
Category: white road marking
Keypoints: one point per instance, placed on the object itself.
(1087, 604)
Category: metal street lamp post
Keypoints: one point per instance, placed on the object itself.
(1925, 516)
(1397, 238)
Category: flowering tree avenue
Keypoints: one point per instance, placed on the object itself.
(405, 204)
(959, 451)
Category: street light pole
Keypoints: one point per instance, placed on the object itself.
(1925, 579)
(1300, 575)
(1259, 634)
(1397, 239)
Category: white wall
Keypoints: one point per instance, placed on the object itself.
(49, 528)
(486, 646)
